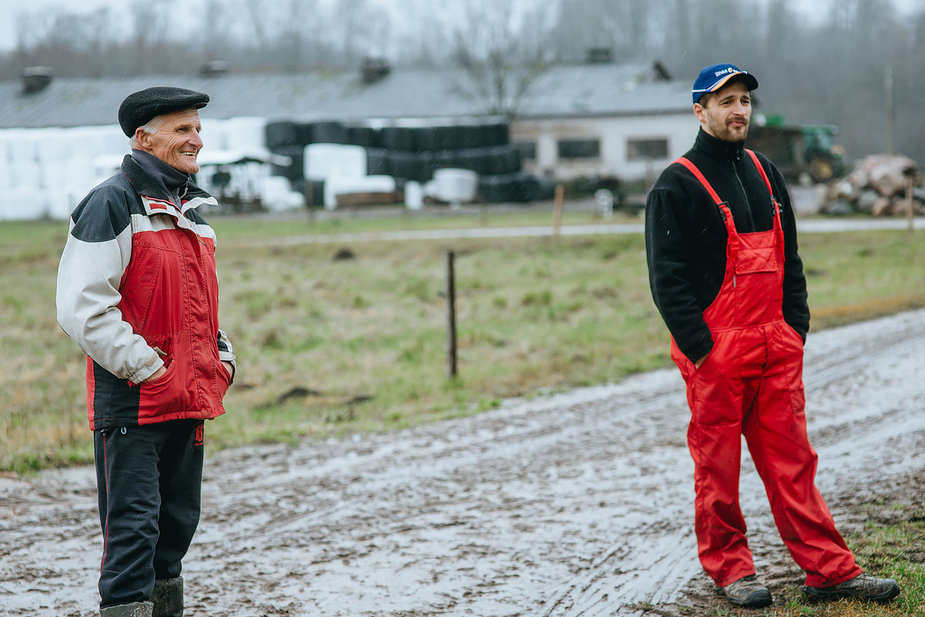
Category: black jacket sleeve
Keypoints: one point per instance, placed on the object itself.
(672, 271)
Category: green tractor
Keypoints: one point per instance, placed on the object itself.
(804, 154)
(825, 159)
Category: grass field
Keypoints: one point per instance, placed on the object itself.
(332, 346)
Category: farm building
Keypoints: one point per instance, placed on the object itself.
(58, 136)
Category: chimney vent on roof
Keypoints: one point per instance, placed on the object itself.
(214, 68)
(35, 79)
(374, 69)
(599, 55)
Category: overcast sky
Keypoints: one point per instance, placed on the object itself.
(10, 8)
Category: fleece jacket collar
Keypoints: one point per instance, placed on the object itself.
(717, 149)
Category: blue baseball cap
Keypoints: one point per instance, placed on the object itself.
(715, 76)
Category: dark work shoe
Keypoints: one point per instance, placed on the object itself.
(135, 609)
(861, 586)
(748, 592)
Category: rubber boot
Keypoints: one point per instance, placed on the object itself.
(135, 609)
(168, 597)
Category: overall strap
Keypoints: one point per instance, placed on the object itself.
(700, 177)
(775, 205)
(732, 244)
(764, 175)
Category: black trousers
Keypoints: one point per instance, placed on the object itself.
(149, 481)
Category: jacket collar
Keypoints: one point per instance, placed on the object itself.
(163, 189)
(722, 151)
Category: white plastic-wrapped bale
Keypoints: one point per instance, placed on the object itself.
(324, 161)
(455, 185)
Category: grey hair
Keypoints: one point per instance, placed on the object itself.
(152, 127)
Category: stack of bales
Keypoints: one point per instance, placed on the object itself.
(45, 172)
(241, 185)
(414, 153)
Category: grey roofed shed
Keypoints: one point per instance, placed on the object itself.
(561, 91)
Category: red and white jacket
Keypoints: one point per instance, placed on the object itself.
(137, 290)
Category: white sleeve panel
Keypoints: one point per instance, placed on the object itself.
(87, 301)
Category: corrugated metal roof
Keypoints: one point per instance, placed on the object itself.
(584, 90)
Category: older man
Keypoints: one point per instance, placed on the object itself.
(728, 280)
(137, 291)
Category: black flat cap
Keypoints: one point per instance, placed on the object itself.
(139, 107)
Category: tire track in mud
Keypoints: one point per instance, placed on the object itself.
(516, 475)
(579, 504)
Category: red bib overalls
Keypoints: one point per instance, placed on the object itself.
(751, 384)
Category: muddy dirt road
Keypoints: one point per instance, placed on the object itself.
(575, 504)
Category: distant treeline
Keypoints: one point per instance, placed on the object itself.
(831, 69)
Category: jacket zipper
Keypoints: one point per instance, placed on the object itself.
(748, 206)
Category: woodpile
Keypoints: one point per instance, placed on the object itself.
(879, 185)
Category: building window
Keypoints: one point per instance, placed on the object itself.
(579, 148)
(646, 149)
(527, 149)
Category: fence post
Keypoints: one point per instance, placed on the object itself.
(450, 315)
(557, 213)
(910, 192)
(308, 200)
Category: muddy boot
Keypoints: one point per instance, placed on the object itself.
(748, 592)
(135, 609)
(168, 597)
(863, 587)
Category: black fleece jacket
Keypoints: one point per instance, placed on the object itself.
(686, 238)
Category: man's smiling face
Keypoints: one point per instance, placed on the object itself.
(177, 141)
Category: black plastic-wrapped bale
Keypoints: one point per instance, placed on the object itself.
(329, 132)
(446, 159)
(397, 138)
(514, 158)
(305, 133)
(447, 137)
(479, 160)
(535, 188)
(436, 138)
(468, 159)
(417, 166)
(280, 133)
(366, 136)
(469, 136)
(294, 171)
(515, 188)
(421, 166)
(377, 162)
(425, 138)
(504, 159)
(403, 164)
(427, 165)
(522, 187)
(494, 189)
(495, 134)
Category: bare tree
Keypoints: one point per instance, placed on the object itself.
(502, 50)
(257, 12)
(811, 71)
(148, 33)
(73, 45)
